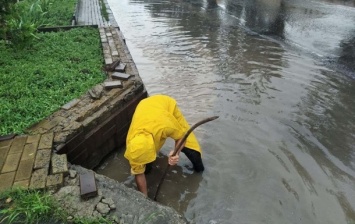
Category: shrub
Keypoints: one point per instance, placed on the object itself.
(22, 20)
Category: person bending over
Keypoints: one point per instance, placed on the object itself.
(155, 119)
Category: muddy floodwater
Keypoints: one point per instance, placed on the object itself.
(280, 76)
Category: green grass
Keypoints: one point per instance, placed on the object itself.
(60, 13)
(38, 80)
(28, 206)
(32, 206)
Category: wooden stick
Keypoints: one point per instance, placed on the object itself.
(179, 147)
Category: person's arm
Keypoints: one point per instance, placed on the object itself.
(141, 183)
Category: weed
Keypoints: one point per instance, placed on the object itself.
(28, 206)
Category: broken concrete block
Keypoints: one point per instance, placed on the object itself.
(38, 179)
(43, 158)
(113, 84)
(55, 181)
(120, 75)
(121, 67)
(72, 174)
(102, 208)
(108, 61)
(46, 141)
(59, 164)
(96, 92)
(70, 104)
(88, 186)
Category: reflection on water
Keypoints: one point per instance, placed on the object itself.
(283, 148)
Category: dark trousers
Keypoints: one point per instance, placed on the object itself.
(192, 155)
(195, 158)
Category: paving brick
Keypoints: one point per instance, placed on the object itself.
(3, 154)
(18, 144)
(11, 163)
(38, 179)
(108, 61)
(113, 84)
(43, 158)
(70, 104)
(88, 186)
(59, 164)
(6, 180)
(24, 170)
(29, 152)
(46, 141)
(47, 124)
(55, 181)
(22, 184)
(115, 53)
(5, 143)
(121, 67)
(33, 139)
(120, 75)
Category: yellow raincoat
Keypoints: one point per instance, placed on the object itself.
(155, 119)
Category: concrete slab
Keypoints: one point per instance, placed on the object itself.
(121, 76)
(6, 180)
(46, 141)
(43, 158)
(5, 143)
(59, 164)
(70, 104)
(38, 179)
(24, 170)
(18, 144)
(11, 163)
(55, 181)
(29, 152)
(121, 67)
(33, 139)
(3, 154)
(22, 184)
(113, 84)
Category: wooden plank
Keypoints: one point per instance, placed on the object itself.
(96, 9)
(93, 12)
(99, 15)
(87, 13)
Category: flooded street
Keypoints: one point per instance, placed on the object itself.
(281, 77)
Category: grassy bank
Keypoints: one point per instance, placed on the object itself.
(39, 79)
(49, 71)
(31, 206)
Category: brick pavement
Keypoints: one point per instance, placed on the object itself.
(26, 161)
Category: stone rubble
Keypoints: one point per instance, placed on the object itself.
(115, 202)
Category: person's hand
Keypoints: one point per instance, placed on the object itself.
(173, 160)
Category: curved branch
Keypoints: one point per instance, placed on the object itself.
(179, 145)
(181, 142)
